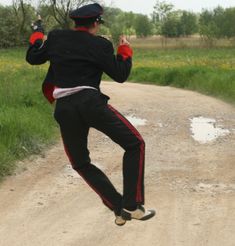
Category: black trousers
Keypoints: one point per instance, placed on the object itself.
(88, 108)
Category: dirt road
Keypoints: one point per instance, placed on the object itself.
(192, 185)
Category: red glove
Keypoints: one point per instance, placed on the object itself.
(35, 37)
(124, 48)
(38, 31)
(125, 51)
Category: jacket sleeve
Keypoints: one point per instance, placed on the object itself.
(37, 52)
(118, 67)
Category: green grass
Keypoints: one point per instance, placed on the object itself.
(219, 83)
(26, 122)
(209, 71)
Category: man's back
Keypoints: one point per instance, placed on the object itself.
(75, 57)
(78, 58)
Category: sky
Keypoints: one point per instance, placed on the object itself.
(146, 6)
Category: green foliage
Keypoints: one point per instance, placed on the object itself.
(211, 24)
(188, 23)
(8, 28)
(16, 20)
(178, 23)
(59, 10)
(15, 25)
(208, 28)
(49, 22)
(143, 26)
(110, 15)
(125, 23)
(217, 24)
(116, 31)
(223, 21)
(161, 10)
(26, 122)
(24, 14)
(171, 25)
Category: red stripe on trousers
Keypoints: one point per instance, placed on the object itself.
(139, 197)
(109, 204)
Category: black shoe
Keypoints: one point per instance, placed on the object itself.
(139, 214)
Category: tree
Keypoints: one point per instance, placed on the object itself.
(207, 27)
(23, 15)
(116, 31)
(188, 24)
(161, 10)
(217, 24)
(46, 13)
(143, 26)
(8, 27)
(225, 23)
(129, 23)
(171, 25)
(118, 23)
(61, 8)
(110, 15)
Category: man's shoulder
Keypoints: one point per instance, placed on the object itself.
(104, 44)
(103, 41)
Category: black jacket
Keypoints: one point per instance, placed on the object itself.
(78, 58)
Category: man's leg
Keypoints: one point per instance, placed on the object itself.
(106, 119)
(133, 160)
(74, 132)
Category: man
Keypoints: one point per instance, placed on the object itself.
(78, 59)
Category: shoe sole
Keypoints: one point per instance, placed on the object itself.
(127, 216)
(121, 224)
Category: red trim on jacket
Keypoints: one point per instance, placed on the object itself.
(36, 36)
(48, 89)
(125, 51)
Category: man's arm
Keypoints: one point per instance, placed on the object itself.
(37, 51)
(37, 55)
(118, 67)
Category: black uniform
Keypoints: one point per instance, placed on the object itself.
(78, 58)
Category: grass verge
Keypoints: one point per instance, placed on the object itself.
(218, 83)
(26, 122)
(208, 71)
